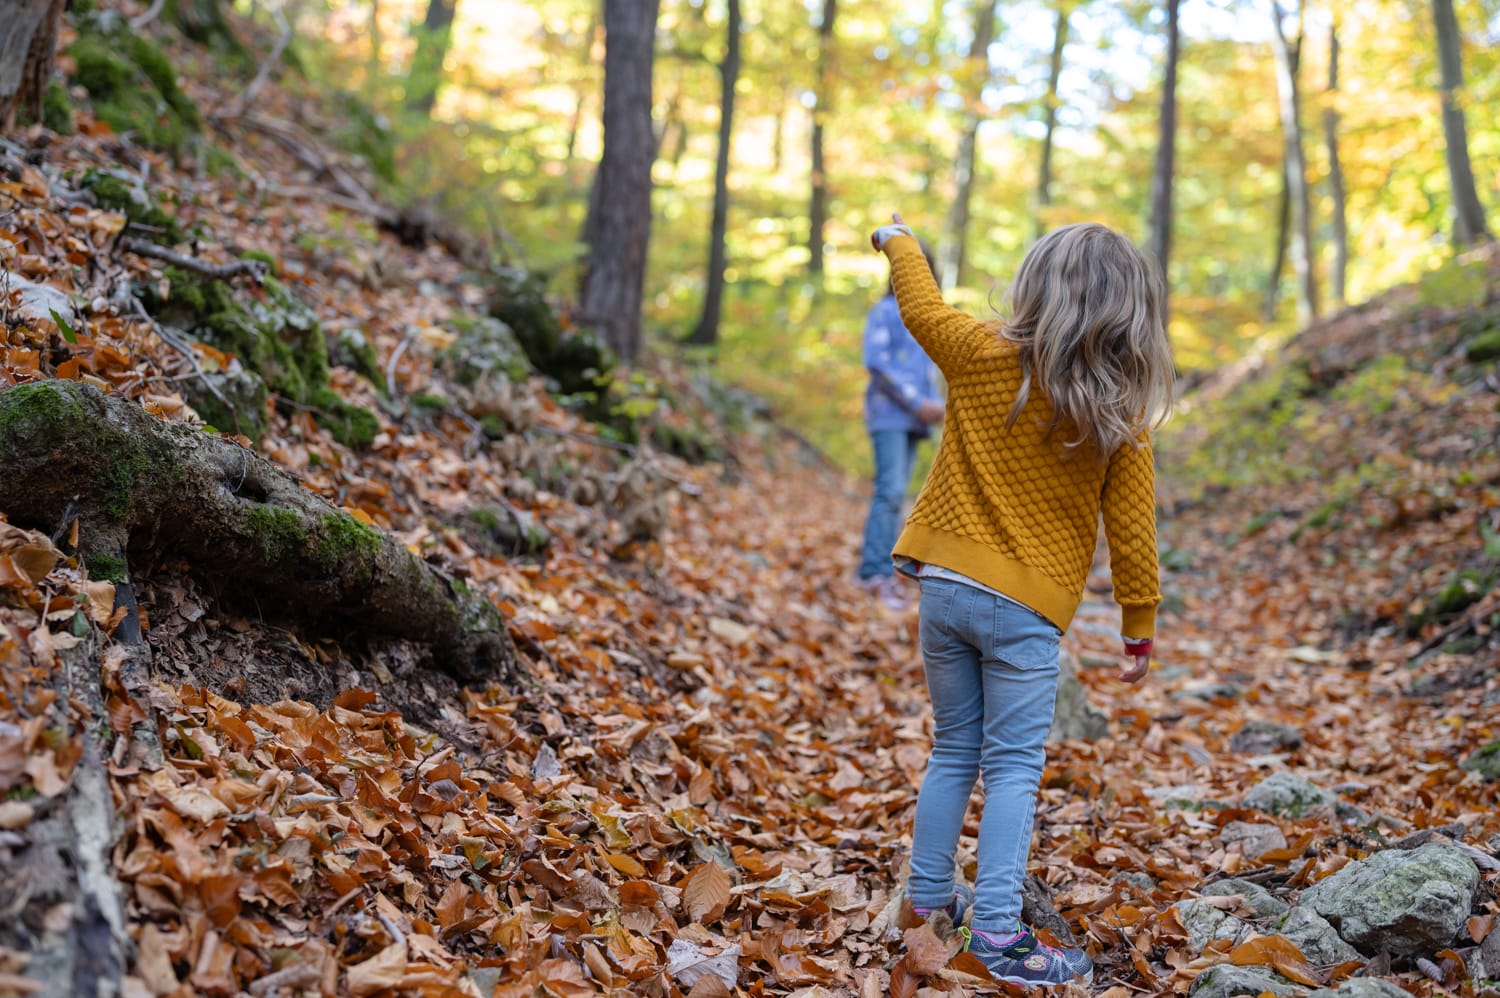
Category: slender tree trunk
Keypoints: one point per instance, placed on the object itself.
(1278, 257)
(817, 209)
(28, 51)
(1336, 172)
(1161, 177)
(1468, 214)
(707, 331)
(426, 75)
(778, 135)
(952, 257)
(618, 229)
(1288, 57)
(1044, 173)
(582, 98)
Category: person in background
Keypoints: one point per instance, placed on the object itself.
(902, 404)
(1048, 426)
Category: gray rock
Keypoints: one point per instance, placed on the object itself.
(1409, 903)
(1286, 794)
(1362, 987)
(1263, 737)
(1252, 838)
(1205, 923)
(1227, 980)
(1318, 940)
(1352, 814)
(1485, 761)
(1207, 690)
(1257, 898)
(1075, 718)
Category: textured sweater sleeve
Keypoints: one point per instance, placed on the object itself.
(1129, 504)
(947, 335)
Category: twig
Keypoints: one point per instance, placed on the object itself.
(223, 272)
(141, 20)
(390, 366)
(263, 75)
(1470, 619)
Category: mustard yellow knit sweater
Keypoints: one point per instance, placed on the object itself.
(1015, 508)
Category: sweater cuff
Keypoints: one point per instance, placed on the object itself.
(1138, 620)
(1138, 646)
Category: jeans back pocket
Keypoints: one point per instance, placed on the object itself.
(1023, 638)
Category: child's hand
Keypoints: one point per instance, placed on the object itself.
(1139, 650)
(883, 235)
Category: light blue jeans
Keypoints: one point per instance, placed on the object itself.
(895, 453)
(992, 675)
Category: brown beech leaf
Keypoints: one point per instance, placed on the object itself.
(380, 972)
(1277, 952)
(926, 954)
(903, 981)
(705, 894)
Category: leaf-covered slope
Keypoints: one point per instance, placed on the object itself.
(707, 786)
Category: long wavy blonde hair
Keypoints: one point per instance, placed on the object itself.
(1088, 310)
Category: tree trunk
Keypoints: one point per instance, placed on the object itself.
(707, 331)
(1044, 173)
(953, 256)
(1161, 177)
(1278, 256)
(619, 223)
(1336, 192)
(817, 210)
(1468, 214)
(69, 452)
(28, 51)
(425, 77)
(1288, 53)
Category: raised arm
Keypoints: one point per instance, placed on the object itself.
(947, 335)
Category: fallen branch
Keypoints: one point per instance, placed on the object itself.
(217, 271)
(152, 13)
(1469, 621)
(263, 75)
(139, 482)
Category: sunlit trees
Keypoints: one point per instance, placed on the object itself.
(707, 330)
(1468, 214)
(817, 209)
(1063, 12)
(952, 251)
(1160, 242)
(618, 228)
(425, 76)
(1339, 202)
(1298, 212)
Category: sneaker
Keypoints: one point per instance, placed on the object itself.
(958, 908)
(1024, 959)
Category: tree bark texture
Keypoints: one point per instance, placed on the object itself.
(1049, 119)
(707, 331)
(132, 481)
(1340, 267)
(1468, 214)
(953, 256)
(817, 208)
(1161, 176)
(425, 78)
(28, 44)
(1288, 52)
(619, 223)
(65, 865)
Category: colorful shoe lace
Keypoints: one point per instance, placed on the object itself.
(958, 908)
(1023, 959)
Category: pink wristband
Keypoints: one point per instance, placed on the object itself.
(1141, 646)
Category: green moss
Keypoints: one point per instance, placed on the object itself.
(107, 567)
(1484, 347)
(123, 469)
(350, 424)
(57, 108)
(1485, 761)
(278, 532)
(40, 405)
(127, 197)
(351, 348)
(428, 402)
(342, 537)
(132, 84)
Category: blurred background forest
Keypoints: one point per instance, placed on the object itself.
(1312, 162)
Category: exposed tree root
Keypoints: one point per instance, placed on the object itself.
(132, 482)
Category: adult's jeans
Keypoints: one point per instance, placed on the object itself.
(992, 675)
(895, 453)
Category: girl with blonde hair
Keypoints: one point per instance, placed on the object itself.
(1047, 427)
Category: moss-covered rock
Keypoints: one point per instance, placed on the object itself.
(126, 195)
(351, 348)
(1485, 761)
(132, 83)
(275, 336)
(1484, 346)
(577, 361)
